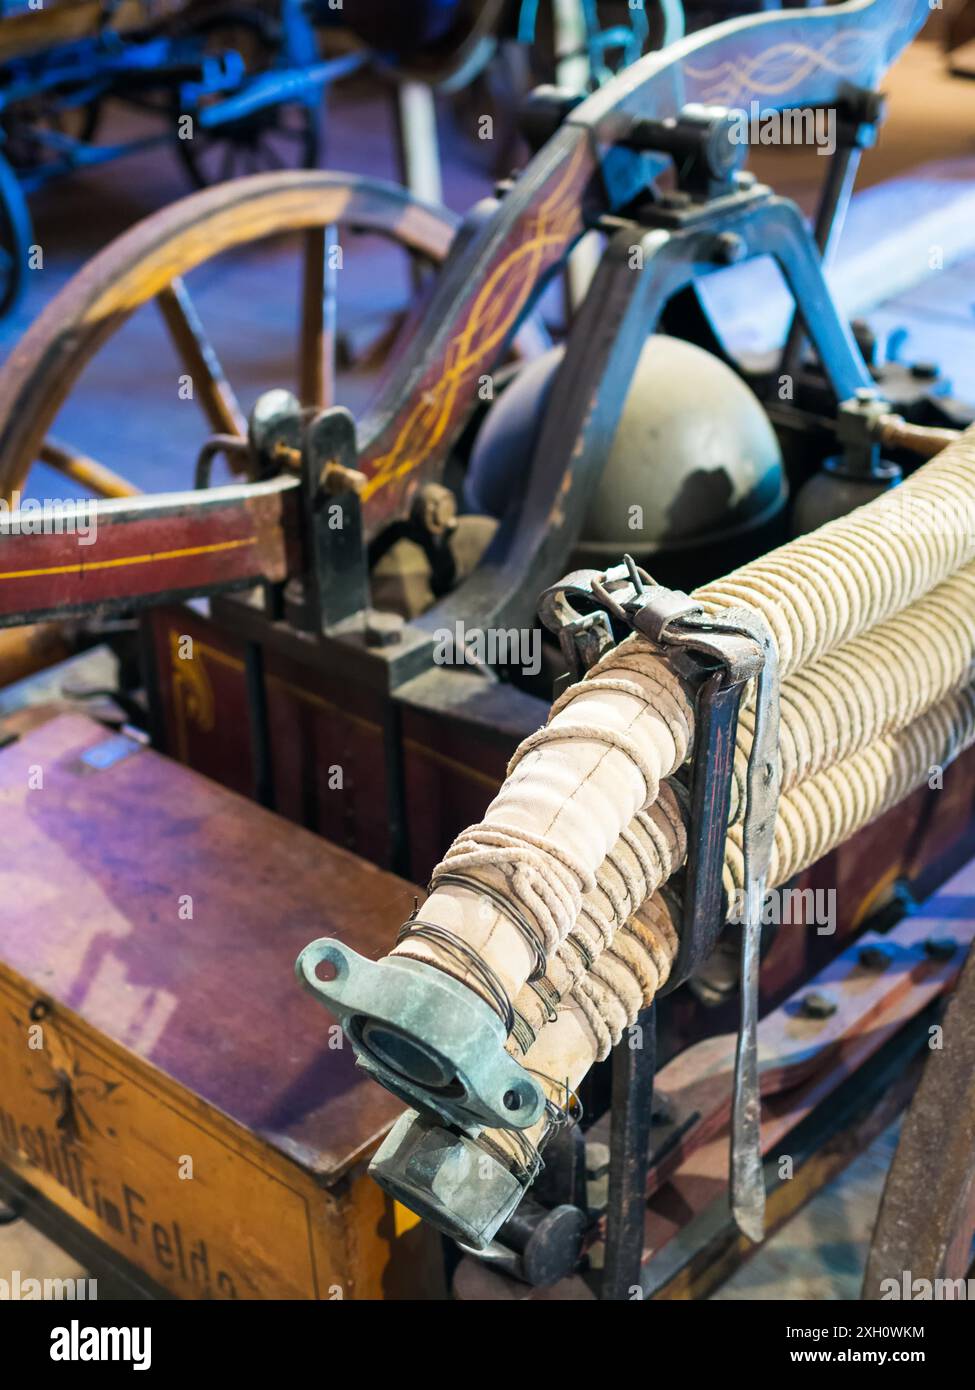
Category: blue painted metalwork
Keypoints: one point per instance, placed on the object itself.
(166, 67)
(625, 42)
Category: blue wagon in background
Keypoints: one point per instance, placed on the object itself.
(235, 88)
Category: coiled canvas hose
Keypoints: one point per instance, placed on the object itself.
(877, 683)
(813, 818)
(647, 853)
(829, 711)
(826, 809)
(829, 586)
(511, 889)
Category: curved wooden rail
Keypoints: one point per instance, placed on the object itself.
(149, 262)
(787, 58)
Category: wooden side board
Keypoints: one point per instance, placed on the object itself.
(163, 1079)
(453, 735)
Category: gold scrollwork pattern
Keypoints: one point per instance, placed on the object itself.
(493, 314)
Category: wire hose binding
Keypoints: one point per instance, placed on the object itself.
(627, 976)
(645, 856)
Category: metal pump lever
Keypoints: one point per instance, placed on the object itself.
(758, 834)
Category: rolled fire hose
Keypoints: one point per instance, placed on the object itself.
(575, 785)
(813, 817)
(510, 890)
(829, 711)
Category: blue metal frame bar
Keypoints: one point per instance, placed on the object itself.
(273, 88)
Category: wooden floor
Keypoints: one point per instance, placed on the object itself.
(127, 415)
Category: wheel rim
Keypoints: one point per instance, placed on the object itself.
(149, 263)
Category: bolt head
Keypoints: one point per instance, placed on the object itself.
(924, 371)
(874, 957)
(435, 509)
(730, 248)
(816, 1004)
(940, 947)
(384, 629)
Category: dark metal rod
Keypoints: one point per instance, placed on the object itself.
(259, 729)
(629, 1159)
(830, 217)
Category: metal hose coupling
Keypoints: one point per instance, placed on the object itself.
(424, 1036)
(448, 1179)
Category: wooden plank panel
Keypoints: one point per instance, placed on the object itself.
(101, 868)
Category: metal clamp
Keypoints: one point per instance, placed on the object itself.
(425, 1037)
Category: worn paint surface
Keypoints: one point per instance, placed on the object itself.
(155, 918)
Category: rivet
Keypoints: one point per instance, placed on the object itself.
(818, 1005)
(940, 947)
(874, 957)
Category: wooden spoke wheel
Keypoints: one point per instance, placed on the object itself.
(444, 46)
(926, 1224)
(309, 216)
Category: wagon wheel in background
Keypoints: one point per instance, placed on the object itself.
(926, 1223)
(300, 213)
(150, 263)
(282, 136)
(303, 211)
(33, 127)
(442, 45)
